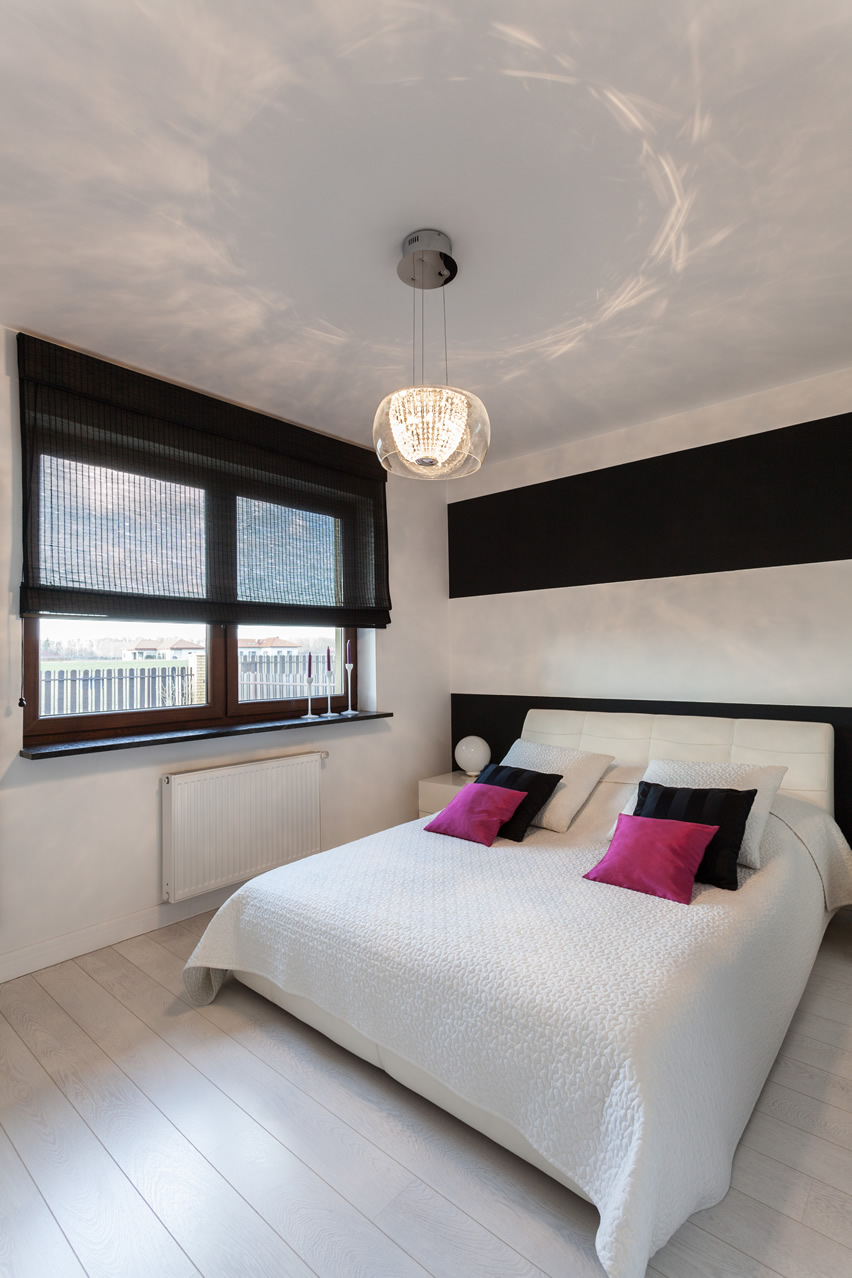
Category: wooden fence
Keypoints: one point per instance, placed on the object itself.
(274, 676)
(101, 689)
(95, 689)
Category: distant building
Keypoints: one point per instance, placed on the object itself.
(177, 651)
(274, 644)
(142, 651)
(184, 648)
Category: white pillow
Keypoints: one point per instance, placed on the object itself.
(580, 771)
(698, 774)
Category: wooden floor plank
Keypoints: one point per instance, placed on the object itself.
(832, 1032)
(770, 1182)
(449, 1241)
(831, 964)
(773, 1239)
(550, 1226)
(31, 1242)
(213, 1224)
(178, 938)
(278, 1104)
(820, 1084)
(110, 1227)
(693, 1253)
(830, 1212)
(322, 1226)
(319, 1138)
(814, 1116)
(822, 1056)
(160, 962)
(821, 1159)
(831, 1009)
(829, 985)
(198, 922)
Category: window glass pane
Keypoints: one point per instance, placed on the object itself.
(286, 555)
(273, 663)
(137, 535)
(113, 667)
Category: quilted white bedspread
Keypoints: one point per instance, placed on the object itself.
(626, 1037)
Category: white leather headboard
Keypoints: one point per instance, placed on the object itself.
(806, 748)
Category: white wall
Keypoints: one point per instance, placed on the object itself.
(806, 401)
(80, 837)
(768, 636)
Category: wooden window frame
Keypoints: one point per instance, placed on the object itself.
(223, 708)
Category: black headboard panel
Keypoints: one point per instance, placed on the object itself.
(499, 719)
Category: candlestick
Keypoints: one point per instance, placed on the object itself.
(309, 683)
(349, 686)
(329, 713)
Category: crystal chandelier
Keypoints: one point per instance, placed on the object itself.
(430, 432)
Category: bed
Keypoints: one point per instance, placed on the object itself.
(616, 1040)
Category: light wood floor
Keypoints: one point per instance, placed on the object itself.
(141, 1137)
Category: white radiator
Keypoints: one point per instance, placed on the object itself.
(224, 825)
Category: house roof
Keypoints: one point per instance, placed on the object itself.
(272, 642)
(648, 203)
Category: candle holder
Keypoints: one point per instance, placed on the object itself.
(309, 682)
(349, 667)
(329, 713)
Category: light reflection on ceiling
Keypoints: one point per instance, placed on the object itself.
(648, 203)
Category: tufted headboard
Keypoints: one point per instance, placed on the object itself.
(807, 749)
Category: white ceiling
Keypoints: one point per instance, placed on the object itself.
(649, 200)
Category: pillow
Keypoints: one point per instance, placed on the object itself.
(579, 770)
(734, 776)
(538, 786)
(476, 813)
(654, 856)
(728, 809)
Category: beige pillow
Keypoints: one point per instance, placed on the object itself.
(580, 771)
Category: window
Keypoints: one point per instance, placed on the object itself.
(87, 677)
(184, 558)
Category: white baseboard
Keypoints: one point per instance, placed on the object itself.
(58, 949)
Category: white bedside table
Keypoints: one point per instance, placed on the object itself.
(434, 793)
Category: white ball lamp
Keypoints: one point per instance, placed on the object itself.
(472, 754)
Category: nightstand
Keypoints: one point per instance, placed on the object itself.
(434, 793)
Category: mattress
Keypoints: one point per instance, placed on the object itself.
(619, 1040)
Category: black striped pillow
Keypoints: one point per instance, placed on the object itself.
(538, 787)
(728, 809)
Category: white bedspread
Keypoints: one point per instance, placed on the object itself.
(626, 1037)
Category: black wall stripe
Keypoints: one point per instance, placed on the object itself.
(780, 497)
(499, 720)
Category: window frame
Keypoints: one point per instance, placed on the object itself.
(223, 709)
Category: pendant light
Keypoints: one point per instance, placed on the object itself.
(430, 432)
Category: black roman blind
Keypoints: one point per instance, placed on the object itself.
(147, 500)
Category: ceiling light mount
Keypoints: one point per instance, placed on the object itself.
(427, 260)
(430, 432)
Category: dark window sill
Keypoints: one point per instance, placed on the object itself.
(99, 744)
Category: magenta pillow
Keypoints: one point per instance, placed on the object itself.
(654, 855)
(477, 812)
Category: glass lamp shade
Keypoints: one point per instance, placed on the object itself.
(431, 432)
(472, 754)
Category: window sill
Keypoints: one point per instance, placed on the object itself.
(98, 745)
